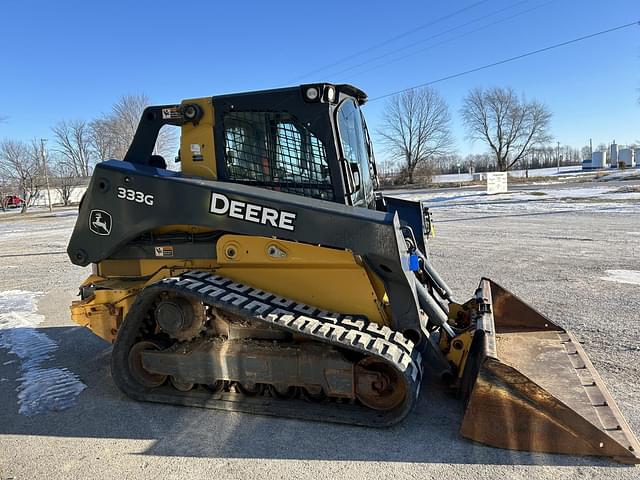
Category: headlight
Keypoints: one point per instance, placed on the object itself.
(331, 94)
(191, 112)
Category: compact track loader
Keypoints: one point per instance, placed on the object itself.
(268, 276)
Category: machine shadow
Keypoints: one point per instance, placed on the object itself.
(428, 435)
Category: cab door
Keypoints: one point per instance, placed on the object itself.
(355, 153)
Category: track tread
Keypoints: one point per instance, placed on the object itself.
(349, 332)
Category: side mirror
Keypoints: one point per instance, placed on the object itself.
(355, 172)
(347, 175)
(352, 176)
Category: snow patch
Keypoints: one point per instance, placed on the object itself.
(623, 276)
(583, 199)
(40, 389)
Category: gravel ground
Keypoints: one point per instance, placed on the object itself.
(555, 261)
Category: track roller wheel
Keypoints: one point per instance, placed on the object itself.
(216, 386)
(283, 394)
(315, 395)
(250, 389)
(180, 385)
(138, 372)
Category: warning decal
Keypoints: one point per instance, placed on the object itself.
(164, 251)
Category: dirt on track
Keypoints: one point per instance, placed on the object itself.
(554, 261)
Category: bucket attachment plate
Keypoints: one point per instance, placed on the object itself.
(530, 386)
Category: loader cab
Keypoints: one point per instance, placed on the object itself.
(310, 140)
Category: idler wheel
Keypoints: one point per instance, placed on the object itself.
(378, 385)
(142, 376)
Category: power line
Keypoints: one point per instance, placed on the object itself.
(439, 34)
(517, 57)
(466, 34)
(392, 39)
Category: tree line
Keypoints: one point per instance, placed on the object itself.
(416, 134)
(66, 159)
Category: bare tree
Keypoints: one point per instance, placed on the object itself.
(103, 139)
(22, 164)
(65, 179)
(123, 121)
(4, 188)
(73, 141)
(477, 162)
(509, 125)
(416, 129)
(112, 133)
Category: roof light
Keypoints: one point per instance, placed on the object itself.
(312, 93)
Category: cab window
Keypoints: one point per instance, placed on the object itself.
(273, 150)
(355, 150)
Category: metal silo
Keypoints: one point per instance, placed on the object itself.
(599, 159)
(626, 155)
(613, 154)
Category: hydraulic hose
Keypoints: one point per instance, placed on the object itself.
(443, 289)
(432, 309)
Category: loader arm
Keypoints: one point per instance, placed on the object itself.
(374, 236)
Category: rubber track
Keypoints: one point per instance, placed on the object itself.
(348, 332)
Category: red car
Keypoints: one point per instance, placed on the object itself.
(12, 201)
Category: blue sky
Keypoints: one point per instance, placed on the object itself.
(73, 59)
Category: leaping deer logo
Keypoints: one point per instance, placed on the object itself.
(100, 222)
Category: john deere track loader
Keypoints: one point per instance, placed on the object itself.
(267, 276)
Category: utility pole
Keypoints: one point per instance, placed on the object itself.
(558, 156)
(46, 172)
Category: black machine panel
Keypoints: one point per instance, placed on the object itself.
(124, 201)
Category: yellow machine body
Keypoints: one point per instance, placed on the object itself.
(197, 146)
(328, 278)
